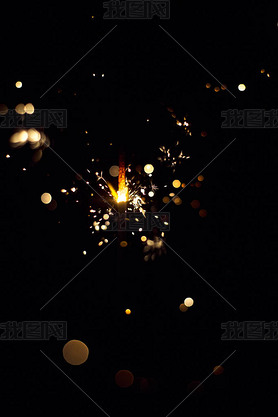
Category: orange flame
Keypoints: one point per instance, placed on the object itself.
(122, 189)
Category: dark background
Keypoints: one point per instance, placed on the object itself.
(232, 248)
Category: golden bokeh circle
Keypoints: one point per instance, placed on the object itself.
(75, 352)
(188, 302)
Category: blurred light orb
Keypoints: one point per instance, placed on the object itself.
(208, 85)
(3, 109)
(106, 216)
(218, 370)
(75, 352)
(203, 213)
(241, 87)
(148, 168)
(188, 302)
(177, 201)
(128, 312)
(18, 84)
(201, 178)
(150, 193)
(33, 135)
(176, 183)
(143, 238)
(20, 108)
(46, 198)
(37, 155)
(124, 378)
(195, 204)
(203, 134)
(8, 156)
(183, 308)
(216, 89)
(123, 244)
(114, 171)
(262, 71)
(172, 194)
(18, 139)
(29, 108)
(165, 200)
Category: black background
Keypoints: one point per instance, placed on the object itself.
(233, 248)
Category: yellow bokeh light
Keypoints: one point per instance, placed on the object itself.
(19, 138)
(29, 108)
(148, 168)
(262, 71)
(128, 312)
(46, 198)
(33, 135)
(177, 201)
(216, 89)
(18, 84)
(106, 216)
(63, 190)
(176, 183)
(188, 302)
(143, 238)
(208, 85)
(241, 87)
(150, 193)
(75, 352)
(201, 178)
(165, 199)
(20, 108)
